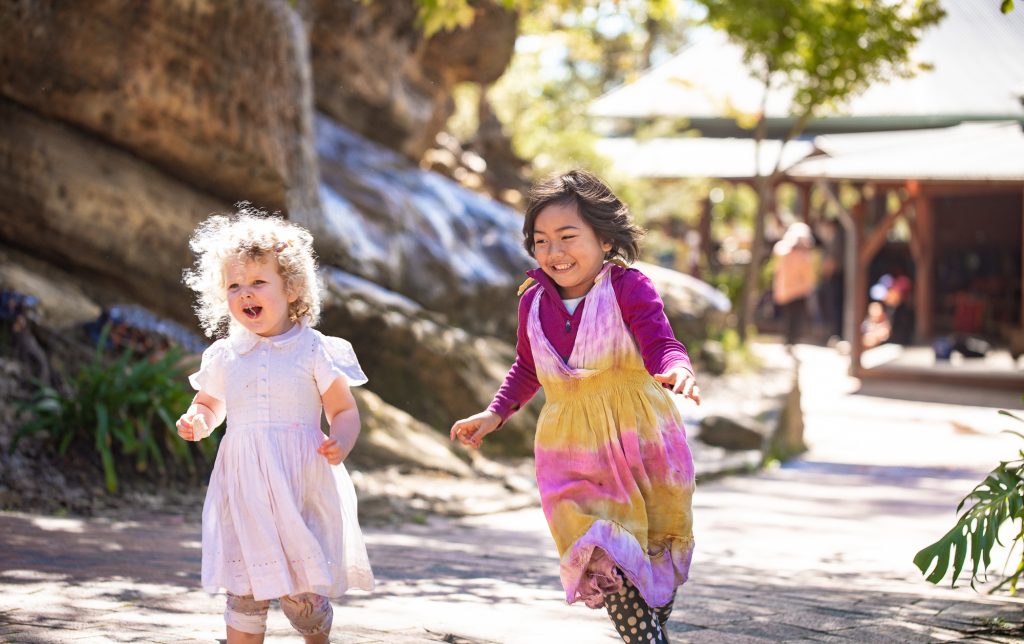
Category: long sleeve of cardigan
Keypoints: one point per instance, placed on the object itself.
(644, 313)
(521, 383)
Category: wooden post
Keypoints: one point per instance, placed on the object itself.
(851, 250)
(924, 288)
(804, 196)
(859, 295)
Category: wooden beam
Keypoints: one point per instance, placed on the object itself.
(877, 239)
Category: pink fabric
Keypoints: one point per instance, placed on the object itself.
(642, 310)
(614, 472)
(602, 578)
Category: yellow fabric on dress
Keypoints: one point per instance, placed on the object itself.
(614, 470)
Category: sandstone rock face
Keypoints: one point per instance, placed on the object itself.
(218, 94)
(62, 303)
(375, 72)
(416, 362)
(77, 202)
(417, 233)
(391, 437)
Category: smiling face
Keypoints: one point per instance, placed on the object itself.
(257, 297)
(567, 249)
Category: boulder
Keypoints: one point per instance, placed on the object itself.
(414, 361)
(417, 233)
(692, 306)
(118, 223)
(391, 437)
(758, 409)
(375, 71)
(62, 303)
(218, 94)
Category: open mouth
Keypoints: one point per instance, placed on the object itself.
(252, 312)
(562, 267)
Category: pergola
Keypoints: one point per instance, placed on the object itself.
(946, 142)
(954, 187)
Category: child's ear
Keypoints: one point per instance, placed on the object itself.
(606, 246)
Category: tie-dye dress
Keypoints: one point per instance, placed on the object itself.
(613, 467)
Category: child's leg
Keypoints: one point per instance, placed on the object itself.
(634, 620)
(664, 612)
(246, 619)
(310, 614)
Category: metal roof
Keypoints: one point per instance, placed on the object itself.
(971, 152)
(665, 158)
(978, 74)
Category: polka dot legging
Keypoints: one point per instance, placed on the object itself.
(634, 620)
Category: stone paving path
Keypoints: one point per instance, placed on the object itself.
(817, 550)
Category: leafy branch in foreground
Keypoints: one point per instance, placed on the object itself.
(998, 499)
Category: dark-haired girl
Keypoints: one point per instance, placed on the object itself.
(614, 471)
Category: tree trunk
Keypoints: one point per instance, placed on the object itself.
(750, 291)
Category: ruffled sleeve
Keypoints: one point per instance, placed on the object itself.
(210, 377)
(335, 357)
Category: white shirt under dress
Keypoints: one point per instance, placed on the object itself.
(278, 519)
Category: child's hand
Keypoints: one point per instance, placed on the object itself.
(331, 450)
(682, 382)
(192, 425)
(471, 431)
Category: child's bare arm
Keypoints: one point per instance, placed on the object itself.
(204, 415)
(341, 410)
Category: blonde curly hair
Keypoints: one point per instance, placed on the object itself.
(251, 234)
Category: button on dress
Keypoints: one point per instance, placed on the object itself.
(278, 519)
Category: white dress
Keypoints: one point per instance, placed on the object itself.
(278, 519)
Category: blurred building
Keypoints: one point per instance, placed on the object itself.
(936, 164)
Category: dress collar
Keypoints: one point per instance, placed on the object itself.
(548, 284)
(243, 340)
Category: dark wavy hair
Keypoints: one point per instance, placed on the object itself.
(596, 204)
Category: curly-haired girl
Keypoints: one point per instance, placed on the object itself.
(279, 521)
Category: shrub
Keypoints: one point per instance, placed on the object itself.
(125, 407)
(996, 500)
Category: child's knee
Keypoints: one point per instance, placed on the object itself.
(245, 614)
(309, 613)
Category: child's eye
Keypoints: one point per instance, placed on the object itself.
(232, 287)
(568, 237)
(258, 282)
(538, 242)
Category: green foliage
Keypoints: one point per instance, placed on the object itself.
(996, 500)
(568, 54)
(444, 15)
(124, 407)
(1006, 6)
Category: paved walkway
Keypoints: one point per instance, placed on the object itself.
(817, 550)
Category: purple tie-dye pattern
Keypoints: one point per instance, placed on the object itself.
(614, 471)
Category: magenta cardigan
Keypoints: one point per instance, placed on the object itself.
(642, 310)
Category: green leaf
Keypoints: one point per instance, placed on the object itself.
(1006, 6)
(103, 446)
(977, 529)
